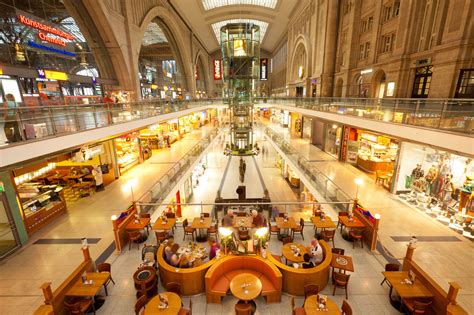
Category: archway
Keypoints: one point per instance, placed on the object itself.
(361, 87)
(201, 75)
(379, 84)
(300, 65)
(338, 90)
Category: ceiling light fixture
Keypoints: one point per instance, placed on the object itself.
(213, 4)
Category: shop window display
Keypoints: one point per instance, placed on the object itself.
(439, 183)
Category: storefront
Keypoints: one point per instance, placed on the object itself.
(307, 126)
(129, 152)
(159, 136)
(332, 141)
(437, 182)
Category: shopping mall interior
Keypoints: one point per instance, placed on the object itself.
(236, 157)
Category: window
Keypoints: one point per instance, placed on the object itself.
(422, 83)
(386, 13)
(367, 24)
(364, 50)
(346, 6)
(387, 43)
(465, 88)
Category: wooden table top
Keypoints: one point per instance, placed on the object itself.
(326, 224)
(138, 226)
(248, 293)
(89, 290)
(44, 310)
(242, 222)
(197, 224)
(174, 305)
(349, 266)
(416, 289)
(311, 306)
(355, 223)
(74, 176)
(289, 255)
(160, 226)
(291, 224)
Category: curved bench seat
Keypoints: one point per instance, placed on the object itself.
(294, 279)
(191, 279)
(219, 276)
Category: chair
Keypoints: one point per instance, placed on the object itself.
(243, 309)
(381, 177)
(310, 289)
(357, 235)
(296, 310)
(134, 236)
(79, 306)
(299, 229)
(287, 240)
(273, 229)
(205, 214)
(140, 304)
(340, 280)
(244, 235)
(341, 214)
(390, 267)
(328, 235)
(339, 251)
(213, 230)
(241, 214)
(186, 311)
(187, 229)
(346, 308)
(170, 215)
(277, 258)
(106, 267)
(281, 214)
(161, 236)
(174, 287)
(147, 216)
(416, 305)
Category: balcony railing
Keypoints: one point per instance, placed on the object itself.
(23, 124)
(450, 115)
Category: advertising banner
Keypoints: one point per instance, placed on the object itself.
(217, 69)
(264, 69)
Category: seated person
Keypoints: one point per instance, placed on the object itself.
(315, 252)
(307, 263)
(185, 261)
(168, 251)
(228, 218)
(213, 247)
(257, 220)
(174, 260)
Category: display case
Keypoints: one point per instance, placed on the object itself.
(128, 152)
(376, 153)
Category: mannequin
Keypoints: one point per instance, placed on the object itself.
(430, 178)
(447, 190)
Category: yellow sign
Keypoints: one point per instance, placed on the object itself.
(154, 86)
(55, 75)
(1, 71)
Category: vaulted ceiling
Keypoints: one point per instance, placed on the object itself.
(207, 16)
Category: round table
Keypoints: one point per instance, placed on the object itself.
(247, 294)
(289, 255)
(311, 306)
(174, 305)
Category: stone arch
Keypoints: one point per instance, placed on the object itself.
(173, 34)
(338, 89)
(301, 54)
(201, 58)
(378, 84)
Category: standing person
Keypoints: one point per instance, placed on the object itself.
(11, 127)
(98, 178)
(213, 247)
(228, 219)
(315, 252)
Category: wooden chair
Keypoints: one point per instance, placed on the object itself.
(171, 215)
(148, 216)
(187, 229)
(187, 311)
(296, 310)
(161, 236)
(281, 214)
(287, 240)
(134, 236)
(174, 287)
(241, 214)
(243, 309)
(106, 267)
(310, 289)
(357, 235)
(390, 267)
(244, 235)
(79, 306)
(346, 308)
(328, 235)
(299, 229)
(341, 214)
(140, 304)
(339, 251)
(381, 177)
(416, 306)
(273, 229)
(340, 280)
(213, 231)
(205, 214)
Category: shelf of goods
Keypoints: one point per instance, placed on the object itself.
(41, 204)
(374, 157)
(127, 161)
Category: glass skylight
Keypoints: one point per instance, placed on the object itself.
(69, 24)
(212, 4)
(217, 26)
(153, 35)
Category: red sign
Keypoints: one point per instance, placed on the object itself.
(43, 27)
(217, 69)
(52, 40)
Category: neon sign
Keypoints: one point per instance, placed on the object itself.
(217, 69)
(43, 27)
(51, 40)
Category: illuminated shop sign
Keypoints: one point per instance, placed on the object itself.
(43, 27)
(1, 71)
(217, 69)
(264, 69)
(52, 75)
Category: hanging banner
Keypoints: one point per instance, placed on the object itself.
(264, 69)
(217, 69)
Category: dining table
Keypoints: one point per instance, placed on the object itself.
(285, 225)
(94, 283)
(246, 287)
(294, 252)
(164, 225)
(201, 225)
(399, 283)
(139, 224)
(342, 262)
(242, 222)
(172, 308)
(349, 224)
(311, 306)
